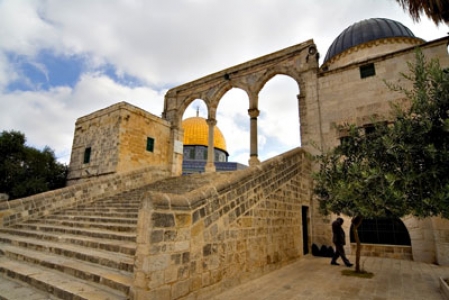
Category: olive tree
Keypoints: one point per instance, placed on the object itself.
(24, 170)
(400, 167)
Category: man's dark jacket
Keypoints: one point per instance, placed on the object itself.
(338, 234)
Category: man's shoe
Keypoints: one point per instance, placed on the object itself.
(349, 265)
(335, 263)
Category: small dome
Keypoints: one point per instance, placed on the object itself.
(367, 31)
(196, 132)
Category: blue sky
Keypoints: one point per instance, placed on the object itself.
(60, 60)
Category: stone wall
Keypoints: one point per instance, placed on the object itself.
(345, 97)
(117, 136)
(49, 202)
(441, 235)
(196, 244)
(390, 251)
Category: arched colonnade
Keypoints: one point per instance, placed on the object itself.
(300, 62)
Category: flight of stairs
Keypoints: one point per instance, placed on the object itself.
(82, 253)
(86, 252)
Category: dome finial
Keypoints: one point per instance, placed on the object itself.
(198, 111)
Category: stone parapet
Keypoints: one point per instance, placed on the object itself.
(46, 203)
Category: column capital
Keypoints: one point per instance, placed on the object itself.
(211, 122)
(253, 112)
(253, 161)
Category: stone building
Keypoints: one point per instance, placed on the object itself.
(117, 139)
(347, 88)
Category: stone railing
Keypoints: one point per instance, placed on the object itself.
(198, 243)
(45, 203)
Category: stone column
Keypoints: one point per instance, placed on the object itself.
(253, 159)
(210, 165)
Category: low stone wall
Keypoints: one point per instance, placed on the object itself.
(45, 203)
(390, 251)
(197, 244)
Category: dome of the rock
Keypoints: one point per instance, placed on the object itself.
(196, 132)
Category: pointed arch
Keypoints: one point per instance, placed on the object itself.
(272, 72)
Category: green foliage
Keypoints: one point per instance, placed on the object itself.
(399, 168)
(25, 170)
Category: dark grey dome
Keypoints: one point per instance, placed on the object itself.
(366, 31)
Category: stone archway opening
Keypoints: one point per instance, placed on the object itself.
(233, 121)
(279, 120)
(196, 108)
(385, 237)
(299, 62)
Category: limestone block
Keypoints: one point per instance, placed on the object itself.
(157, 262)
(182, 246)
(171, 274)
(156, 280)
(183, 220)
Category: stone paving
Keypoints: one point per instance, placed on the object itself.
(314, 278)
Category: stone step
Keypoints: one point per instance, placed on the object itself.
(56, 283)
(17, 237)
(86, 232)
(100, 213)
(114, 260)
(105, 209)
(110, 204)
(93, 218)
(120, 281)
(85, 224)
(11, 289)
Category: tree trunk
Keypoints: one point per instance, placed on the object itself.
(356, 221)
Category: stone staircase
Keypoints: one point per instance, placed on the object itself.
(85, 252)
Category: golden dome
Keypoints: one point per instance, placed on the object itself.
(196, 132)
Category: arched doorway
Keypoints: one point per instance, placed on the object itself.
(383, 231)
(383, 237)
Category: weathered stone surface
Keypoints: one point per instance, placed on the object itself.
(223, 245)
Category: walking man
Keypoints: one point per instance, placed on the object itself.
(339, 240)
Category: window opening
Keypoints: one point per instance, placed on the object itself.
(87, 153)
(150, 144)
(367, 71)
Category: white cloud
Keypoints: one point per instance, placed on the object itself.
(48, 117)
(165, 43)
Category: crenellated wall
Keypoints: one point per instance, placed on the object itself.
(196, 244)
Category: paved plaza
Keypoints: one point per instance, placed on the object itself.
(314, 278)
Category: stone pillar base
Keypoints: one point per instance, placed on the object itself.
(253, 161)
(209, 168)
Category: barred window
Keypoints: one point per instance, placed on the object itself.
(367, 71)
